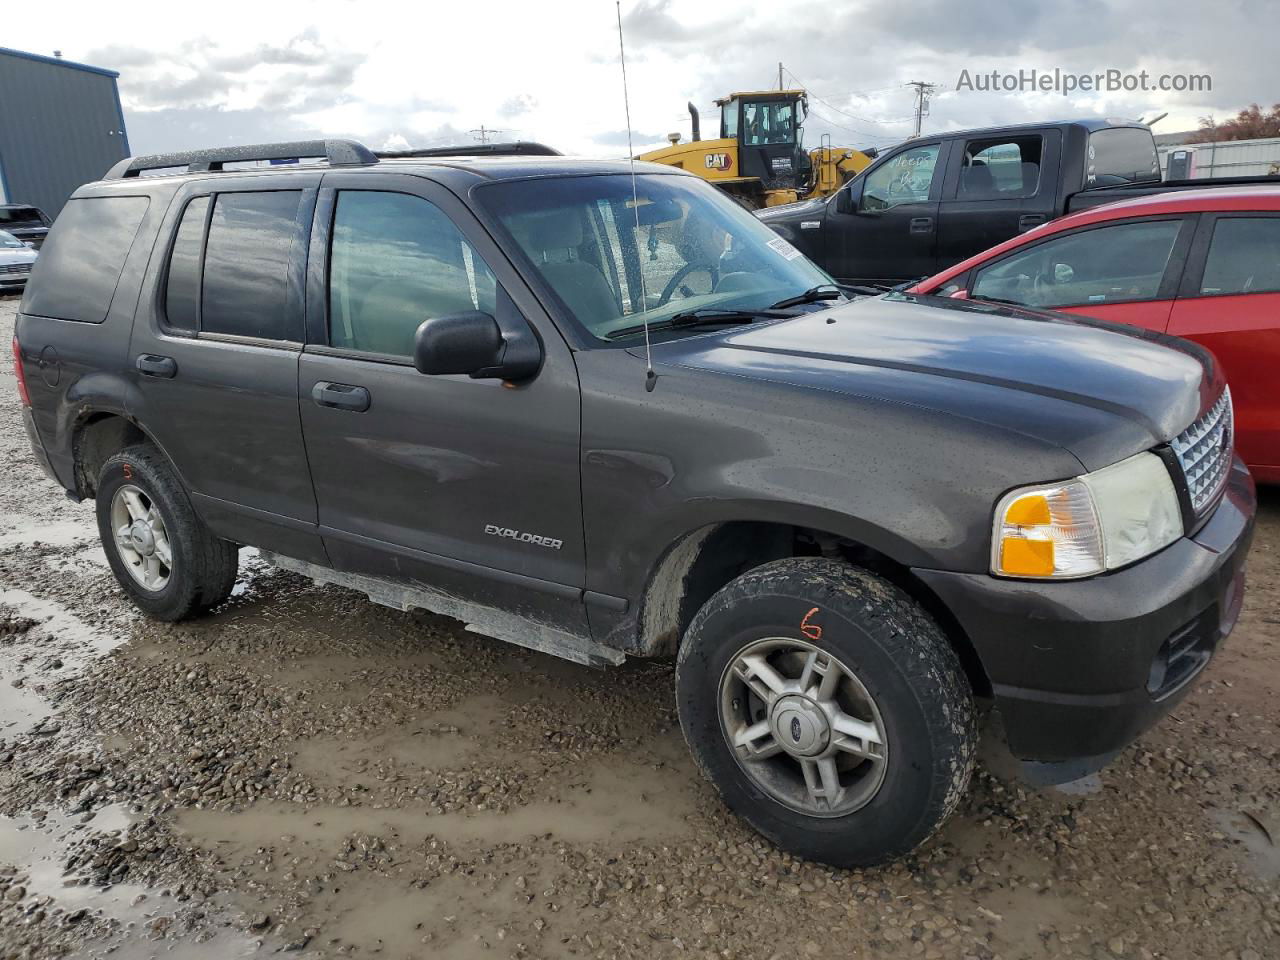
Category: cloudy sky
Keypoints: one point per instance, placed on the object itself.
(427, 73)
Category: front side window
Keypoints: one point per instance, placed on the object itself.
(1244, 257)
(613, 261)
(765, 123)
(905, 178)
(182, 288)
(1120, 263)
(1002, 169)
(396, 260)
(246, 265)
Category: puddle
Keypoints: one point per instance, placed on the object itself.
(56, 533)
(1259, 837)
(61, 631)
(40, 848)
(629, 804)
(56, 647)
(452, 918)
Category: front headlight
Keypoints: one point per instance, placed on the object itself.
(1076, 528)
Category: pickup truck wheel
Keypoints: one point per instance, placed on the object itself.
(162, 554)
(828, 709)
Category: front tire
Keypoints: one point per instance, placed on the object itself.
(162, 554)
(828, 709)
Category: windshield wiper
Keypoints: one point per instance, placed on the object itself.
(824, 291)
(703, 316)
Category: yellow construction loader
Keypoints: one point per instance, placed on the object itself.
(759, 157)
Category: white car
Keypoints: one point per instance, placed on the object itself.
(16, 258)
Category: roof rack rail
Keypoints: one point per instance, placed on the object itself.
(516, 148)
(339, 153)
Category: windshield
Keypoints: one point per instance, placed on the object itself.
(764, 123)
(20, 215)
(9, 240)
(694, 248)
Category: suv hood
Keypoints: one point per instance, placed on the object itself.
(1100, 390)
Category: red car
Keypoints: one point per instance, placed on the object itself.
(1201, 264)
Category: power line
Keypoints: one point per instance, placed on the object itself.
(845, 113)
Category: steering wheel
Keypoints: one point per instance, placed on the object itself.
(675, 283)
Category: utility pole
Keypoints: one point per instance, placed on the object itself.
(483, 133)
(923, 90)
(779, 74)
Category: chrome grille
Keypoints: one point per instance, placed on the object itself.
(1204, 451)
(15, 268)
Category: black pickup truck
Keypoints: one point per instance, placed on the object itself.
(934, 201)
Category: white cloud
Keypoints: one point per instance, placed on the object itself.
(420, 74)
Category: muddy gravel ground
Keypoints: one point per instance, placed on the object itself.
(305, 772)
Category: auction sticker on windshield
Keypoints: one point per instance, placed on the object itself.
(783, 249)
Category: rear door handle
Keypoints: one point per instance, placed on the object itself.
(154, 366)
(1029, 220)
(922, 224)
(341, 396)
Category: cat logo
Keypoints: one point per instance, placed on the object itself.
(719, 161)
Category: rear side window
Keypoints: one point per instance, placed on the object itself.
(246, 265)
(182, 290)
(396, 260)
(1244, 257)
(1121, 155)
(1002, 169)
(80, 263)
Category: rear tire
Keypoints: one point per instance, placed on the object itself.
(162, 554)
(828, 709)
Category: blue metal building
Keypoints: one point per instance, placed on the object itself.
(61, 125)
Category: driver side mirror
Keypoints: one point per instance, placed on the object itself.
(846, 201)
(473, 343)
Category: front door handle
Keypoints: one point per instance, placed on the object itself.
(341, 396)
(166, 368)
(1029, 220)
(922, 225)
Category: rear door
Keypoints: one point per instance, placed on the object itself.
(1126, 271)
(892, 232)
(214, 356)
(470, 486)
(996, 188)
(1230, 302)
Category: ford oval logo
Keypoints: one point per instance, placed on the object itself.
(795, 729)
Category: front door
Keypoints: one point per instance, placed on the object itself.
(468, 486)
(891, 234)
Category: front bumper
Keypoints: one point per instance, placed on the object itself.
(11, 283)
(1078, 669)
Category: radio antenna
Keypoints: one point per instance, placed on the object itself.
(650, 376)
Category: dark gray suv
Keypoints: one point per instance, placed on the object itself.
(606, 413)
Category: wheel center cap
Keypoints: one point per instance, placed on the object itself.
(143, 539)
(800, 726)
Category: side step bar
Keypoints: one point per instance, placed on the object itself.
(476, 618)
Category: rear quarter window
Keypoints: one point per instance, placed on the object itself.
(80, 263)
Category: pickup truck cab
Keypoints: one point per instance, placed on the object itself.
(603, 412)
(935, 200)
